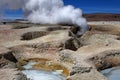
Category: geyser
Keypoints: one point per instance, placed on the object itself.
(49, 12)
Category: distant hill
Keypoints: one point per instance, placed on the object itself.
(102, 17)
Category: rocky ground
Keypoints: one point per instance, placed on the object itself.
(55, 47)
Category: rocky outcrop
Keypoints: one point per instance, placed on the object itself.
(8, 68)
(45, 47)
(11, 74)
(92, 75)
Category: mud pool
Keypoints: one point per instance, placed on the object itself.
(41, 75)
(112, 73)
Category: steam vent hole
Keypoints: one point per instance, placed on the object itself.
(33, 35)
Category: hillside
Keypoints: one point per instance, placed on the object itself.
(102, 17)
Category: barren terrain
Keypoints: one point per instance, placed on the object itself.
(56, 47)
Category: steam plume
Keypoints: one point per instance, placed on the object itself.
(48, 12)
(54, 12)
(11, 4)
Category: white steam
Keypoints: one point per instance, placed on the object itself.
(55, 12)
(48, 12)
(11, 4)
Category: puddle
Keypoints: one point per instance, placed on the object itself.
(40, 74)
(112, 73)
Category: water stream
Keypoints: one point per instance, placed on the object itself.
(41, 75)
(112, 73)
